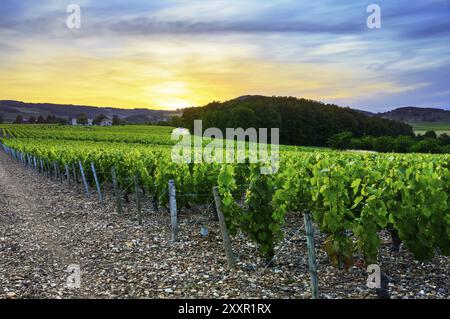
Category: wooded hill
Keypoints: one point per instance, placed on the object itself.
(413, 114)
(301, 121)
(9, 110)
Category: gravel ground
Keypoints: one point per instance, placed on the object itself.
(45, 226)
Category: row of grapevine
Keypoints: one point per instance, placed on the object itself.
(352, 196)
(138, 134)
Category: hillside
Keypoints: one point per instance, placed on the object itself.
(421, 119)
(11, 109)
(418, 115)
(301, 121)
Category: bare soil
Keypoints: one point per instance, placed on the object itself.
(46, 225)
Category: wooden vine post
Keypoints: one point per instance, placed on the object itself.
(86, 186)
(311, 255)
(138, 198)
(74, 170)
(117, 192)
(97, 184)
(67, 174)
(55, 170)
(173, 210)
(45, 168)
(155, 203)
(60, 173)
(223, 227)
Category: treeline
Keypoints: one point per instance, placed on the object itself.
(50, 119)
(301, 121)
(427, 143)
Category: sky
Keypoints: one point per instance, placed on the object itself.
(178, 53)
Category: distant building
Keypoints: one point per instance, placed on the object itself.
(75, 122)
(180, 131)
(106, 122)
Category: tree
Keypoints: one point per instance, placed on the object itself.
(19, 119)
(383, 144)
(444, 138)
(341, 141)
(242, 117)
(362, 143)
(430, 134)
(115, 120)
(82, 119)
(366, 143)
(2, 119)
(31, 120)
(402, 144)
(40, 120)
(446, 149)
(301, 121)
(51, 119)
(63, 120)
(98, 119)
(428, 145)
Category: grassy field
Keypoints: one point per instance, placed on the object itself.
(439, 128)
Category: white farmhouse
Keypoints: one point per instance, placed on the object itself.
(75, 122)
(180, 131)
(106, 122)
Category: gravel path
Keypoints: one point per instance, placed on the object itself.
(45, 226)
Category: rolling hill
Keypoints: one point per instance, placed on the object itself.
(11, 109)
(421, 119)
(300, 121)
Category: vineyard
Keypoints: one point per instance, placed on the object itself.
(352, 196)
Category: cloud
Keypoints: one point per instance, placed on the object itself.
(145, 26)
(436, 30)
(157, 53)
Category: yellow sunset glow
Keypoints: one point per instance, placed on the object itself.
(163, 75)
(176, 54)
(130, 84)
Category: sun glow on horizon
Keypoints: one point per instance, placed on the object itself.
(170, 55)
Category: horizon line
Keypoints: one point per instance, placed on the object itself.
(443, 108)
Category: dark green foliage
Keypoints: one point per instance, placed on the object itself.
(444, 139)
(98, 119)
(363, 143)
(115, 120)
(19, 119)
(301, 121)
(51, 119)
(403, 144)
(430, 134)
(341, 141)
(40, 120)
(383, 144)
(82, 119)
(175, 121)
(446, 149)
(428, 145)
